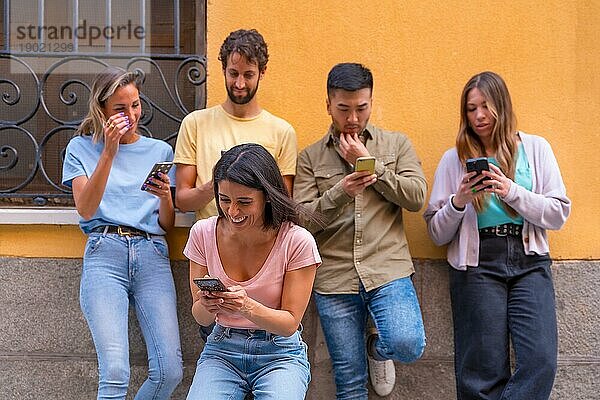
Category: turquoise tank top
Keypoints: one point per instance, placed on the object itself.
(494, 214)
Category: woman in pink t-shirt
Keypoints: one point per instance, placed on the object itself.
(267, 264)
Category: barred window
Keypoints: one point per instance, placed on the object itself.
(50, 52)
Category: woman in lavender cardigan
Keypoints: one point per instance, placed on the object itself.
(495, 228)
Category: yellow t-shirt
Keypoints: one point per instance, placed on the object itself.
(204, 133)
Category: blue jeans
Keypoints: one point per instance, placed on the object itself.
(509, 296)
(395, 311)
(236, 362)
(117, 271)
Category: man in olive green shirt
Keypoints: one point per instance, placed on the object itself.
(367, 268)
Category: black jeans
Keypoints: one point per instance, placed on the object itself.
(509, 296)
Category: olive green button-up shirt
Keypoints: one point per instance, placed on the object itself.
(363, 239)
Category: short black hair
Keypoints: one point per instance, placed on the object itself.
(350, 77)
(249, 43)
(253, 166)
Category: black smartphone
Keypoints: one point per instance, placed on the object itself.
(163, 167)
(210, 284)
(479, 164)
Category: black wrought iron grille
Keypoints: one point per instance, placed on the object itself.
(40, 112)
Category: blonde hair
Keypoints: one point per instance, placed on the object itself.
(104, 86)
(503, 138)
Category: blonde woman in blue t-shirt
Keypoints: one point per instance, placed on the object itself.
(495, 227)
(126, 258)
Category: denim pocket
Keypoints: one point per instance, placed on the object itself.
(287, 342)
(160, 247)
(93, 243)
(217, 335)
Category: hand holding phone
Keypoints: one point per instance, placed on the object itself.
(163, 167)
(479, 165)
(365, 164)
(210, 284)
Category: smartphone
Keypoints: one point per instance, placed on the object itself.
(163, 167)
(365, 164)
(477, 164)
(210, 284)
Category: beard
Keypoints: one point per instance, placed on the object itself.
(240, 100)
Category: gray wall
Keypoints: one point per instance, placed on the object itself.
(46, 351)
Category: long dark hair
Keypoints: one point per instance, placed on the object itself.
(253, 166)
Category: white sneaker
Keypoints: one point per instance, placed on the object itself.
(382, 374)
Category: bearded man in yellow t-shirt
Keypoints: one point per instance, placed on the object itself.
(204, 134)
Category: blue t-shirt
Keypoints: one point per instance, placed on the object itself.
(494, 214)
(123, 202)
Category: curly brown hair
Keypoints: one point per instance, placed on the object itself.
(248, 43)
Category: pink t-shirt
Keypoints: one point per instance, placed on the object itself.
(294, 248)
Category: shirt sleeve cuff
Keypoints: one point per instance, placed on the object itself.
(379, 168)
(338, 195)
(454, 207)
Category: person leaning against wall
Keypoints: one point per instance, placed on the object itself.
(204, 134)
(126, 259)
(495, 227)
(367, 266)
(267, 265)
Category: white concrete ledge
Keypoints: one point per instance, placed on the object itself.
(64, 216)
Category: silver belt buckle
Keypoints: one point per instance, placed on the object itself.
(499, 229)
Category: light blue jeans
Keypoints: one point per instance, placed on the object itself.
(117, 271)
(236, 362)
(395, 311)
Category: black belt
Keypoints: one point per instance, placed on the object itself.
(502, 230)
(257, 333)
(121, 230)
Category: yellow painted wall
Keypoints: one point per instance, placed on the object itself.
(421, 55)
(63, 241)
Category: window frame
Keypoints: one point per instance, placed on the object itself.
(42, 214)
